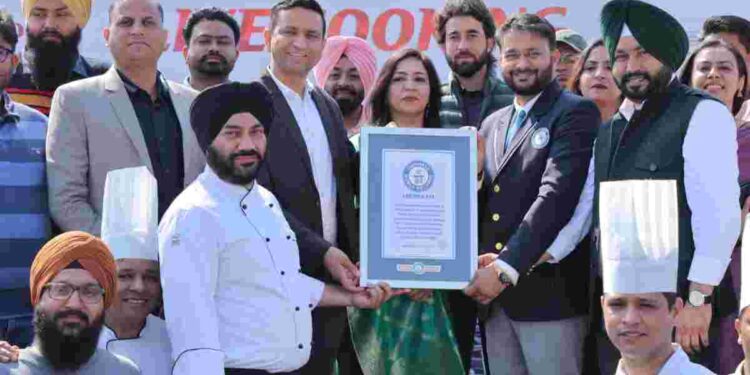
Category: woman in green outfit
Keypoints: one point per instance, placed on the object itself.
(410, 334)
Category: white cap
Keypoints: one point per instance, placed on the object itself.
(638, 222)
(129, 214)
(745, 266)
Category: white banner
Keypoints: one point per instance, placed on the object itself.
(389, 26)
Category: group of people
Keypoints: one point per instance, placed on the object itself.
(212, 226)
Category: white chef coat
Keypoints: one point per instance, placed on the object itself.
(677, 364)
(234, 293)
(151, 350)
(316, 141)
(711, 173)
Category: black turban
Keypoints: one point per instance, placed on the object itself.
(213, 107)
(656, 31)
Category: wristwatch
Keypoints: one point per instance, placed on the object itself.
(698, 299)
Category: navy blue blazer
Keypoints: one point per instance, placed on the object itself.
(539, 180)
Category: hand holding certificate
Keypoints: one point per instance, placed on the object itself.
(418, 207)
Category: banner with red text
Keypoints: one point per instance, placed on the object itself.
(387, 25)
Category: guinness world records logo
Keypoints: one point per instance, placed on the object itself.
(418, 176)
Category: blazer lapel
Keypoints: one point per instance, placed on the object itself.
(286, 118)
(124, 112)
(541, 107)
(497, 138)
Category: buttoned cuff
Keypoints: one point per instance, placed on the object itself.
(707, 270)
(506, 268)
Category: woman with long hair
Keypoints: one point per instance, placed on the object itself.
(716, 67)
(592, 79)
(410, 334)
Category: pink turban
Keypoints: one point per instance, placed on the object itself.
(359, 53)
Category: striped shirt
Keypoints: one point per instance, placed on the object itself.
(24, 216)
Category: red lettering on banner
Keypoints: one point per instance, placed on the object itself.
(499, 15)
(182, 17)
(248, 29)
(405, 34)
(427, 29)
(361, 25)
(552, 10)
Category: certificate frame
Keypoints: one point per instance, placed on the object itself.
(453, 268)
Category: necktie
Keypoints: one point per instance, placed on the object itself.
(517, 124)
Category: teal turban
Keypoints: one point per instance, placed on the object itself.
(656, 31)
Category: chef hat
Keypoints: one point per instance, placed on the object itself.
(638, 222)
(129, 217)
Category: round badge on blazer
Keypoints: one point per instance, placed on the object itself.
(540, 138)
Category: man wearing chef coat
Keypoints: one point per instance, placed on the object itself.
(129, 228)
(235, 299)
(639, 243)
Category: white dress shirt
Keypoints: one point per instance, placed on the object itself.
(151, 350)
(316, 139)
(711, 175)
(677, 364)
(234, 294)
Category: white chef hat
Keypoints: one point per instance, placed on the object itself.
(129, 215)
(745, 266)
(639, 236)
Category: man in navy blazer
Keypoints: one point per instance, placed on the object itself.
(536, 161)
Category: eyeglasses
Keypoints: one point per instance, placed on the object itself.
(5, 53)
(89, 294)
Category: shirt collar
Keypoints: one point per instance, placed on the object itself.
(131, 87)
(232, 191)
(628, 108)
(527, 107)
(740, 369)
(289, 93)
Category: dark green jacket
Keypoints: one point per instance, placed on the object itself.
(496, 95)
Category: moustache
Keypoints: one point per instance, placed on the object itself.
(339, 89)
(524, 71)
(221, 58)
(632, 75)
(245, 153)
(68, 313)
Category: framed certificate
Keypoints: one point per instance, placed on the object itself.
(418, 207)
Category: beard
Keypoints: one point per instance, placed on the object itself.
(542, 78)
(348, 104)
(468, 69)
(224, 167)
(52, 62)
(213, 69)
(70, 346)
(656, 84)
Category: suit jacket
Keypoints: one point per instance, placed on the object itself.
(286, 171)
(93, 129)
(533, 196)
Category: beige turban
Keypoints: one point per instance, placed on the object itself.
(57, 254)
(81, 9)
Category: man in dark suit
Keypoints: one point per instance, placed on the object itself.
(537, 156)
(309, 167)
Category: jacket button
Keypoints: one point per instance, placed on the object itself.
(244, 207)
(268, 240)
(496, 188)
(495, 217)
(498, 246)
(652, 167)
(300, 346)
(310, 305)
(296, 308)
(283, 273)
